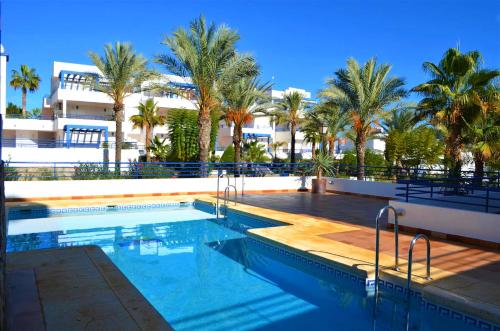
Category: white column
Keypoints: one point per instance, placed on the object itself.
(64, 107)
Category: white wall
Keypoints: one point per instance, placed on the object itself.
(38, 189)
(470, 224)
(380, 189)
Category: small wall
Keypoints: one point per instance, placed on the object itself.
(86, 188)
(458, 222)
(379, 189)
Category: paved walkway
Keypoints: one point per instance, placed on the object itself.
(74, 288)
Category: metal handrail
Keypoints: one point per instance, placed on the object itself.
(226, 196)
(377, 243)
(219, 176)
(410, 259)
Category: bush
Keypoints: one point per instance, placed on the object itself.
(228, 155)
(149, 170)
(88, 171)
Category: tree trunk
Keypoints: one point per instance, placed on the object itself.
(237, 143)
(24, 103)
(204, 128)
(313, 152)
(454, 145)
(118, 109)
(478, 168)
(292, 148)
(360, 155)
(148, 143)
(331, 145)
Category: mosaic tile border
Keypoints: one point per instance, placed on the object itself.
(19, 211)
(396, 289)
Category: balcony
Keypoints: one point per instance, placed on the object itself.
(52, 143)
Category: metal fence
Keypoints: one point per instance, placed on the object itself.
(475, 193)
(18, 171)
(103, 170)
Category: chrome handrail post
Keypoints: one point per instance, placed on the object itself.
(410, 259)
(377, 243)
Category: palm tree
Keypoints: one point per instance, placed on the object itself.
(124, 72)
(452, 98)
(147, 119)
(208, 56)
(275, 145)
(402, 119)
(27, 80)
(483, 135)
(364, 93)
(312, 130)
(244, 99)
(289, 112)
(335, 120)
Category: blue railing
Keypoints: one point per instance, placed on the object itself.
(68, 170)
(141, 170)
(476, 193)
(51, 143)
(69, 115)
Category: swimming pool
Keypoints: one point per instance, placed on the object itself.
(205, 274)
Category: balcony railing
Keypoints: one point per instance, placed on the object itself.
(89, 117)
(53, 143)
(30, 117)
(70, 115)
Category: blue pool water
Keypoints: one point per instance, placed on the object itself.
(201, 274)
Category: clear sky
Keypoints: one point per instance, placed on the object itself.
(298, 43)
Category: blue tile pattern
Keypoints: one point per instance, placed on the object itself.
(21, 213)
(395, 289)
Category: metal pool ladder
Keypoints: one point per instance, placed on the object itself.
(219, 176)
(377, 243)
(410, 259)
(226, 196)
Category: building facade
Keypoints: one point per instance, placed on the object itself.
(77, 121)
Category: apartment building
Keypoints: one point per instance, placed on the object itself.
(76, 120)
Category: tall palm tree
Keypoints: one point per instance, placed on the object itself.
(206, 54)
(289, 112)
(244, 99)
(124, 72)
(27, 80)
(364, 93)
(147, 119)
(452, 98)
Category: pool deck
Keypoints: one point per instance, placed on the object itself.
(340, 229)
(75, 288)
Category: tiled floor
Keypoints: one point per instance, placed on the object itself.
(75, 288)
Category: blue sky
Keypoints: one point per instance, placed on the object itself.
(299, 43)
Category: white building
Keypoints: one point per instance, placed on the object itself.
(76, 120)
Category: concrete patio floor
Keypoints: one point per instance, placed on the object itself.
(74, 288)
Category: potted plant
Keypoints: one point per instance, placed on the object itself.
(322, 164)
